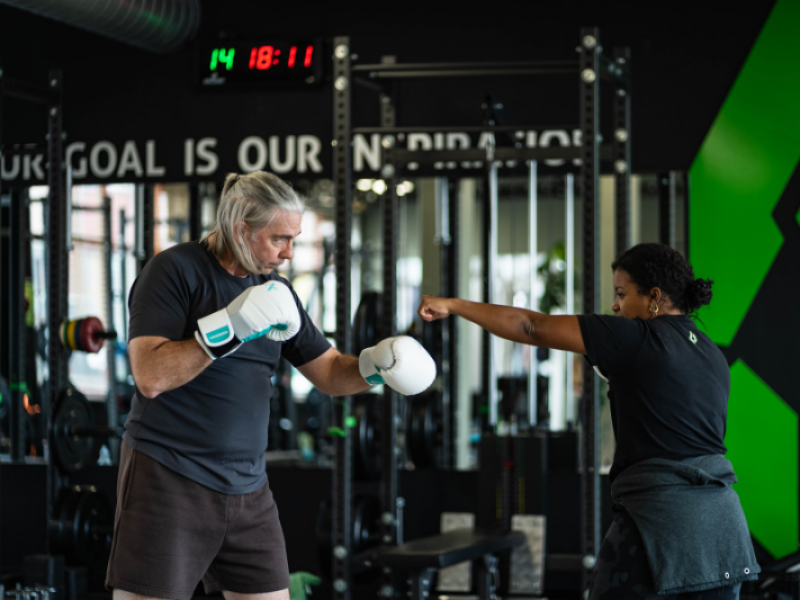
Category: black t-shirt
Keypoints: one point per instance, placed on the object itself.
(213, 429)
(668, 386)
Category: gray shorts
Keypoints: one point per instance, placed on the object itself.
(171, 532)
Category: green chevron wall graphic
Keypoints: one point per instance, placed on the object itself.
(737, 180)
(741, 171)
(769, 497)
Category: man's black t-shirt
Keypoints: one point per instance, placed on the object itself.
(212, 429)
(668, 386)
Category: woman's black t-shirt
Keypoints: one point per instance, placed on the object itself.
(668, 386)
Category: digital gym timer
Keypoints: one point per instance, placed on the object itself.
(254, 62)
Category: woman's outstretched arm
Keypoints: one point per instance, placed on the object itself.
(560, 332)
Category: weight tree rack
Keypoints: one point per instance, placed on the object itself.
(591, 66)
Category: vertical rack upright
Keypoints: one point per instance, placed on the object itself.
(56, 270)
(589, 188)
(343, 443)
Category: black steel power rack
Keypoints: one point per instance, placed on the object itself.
(49, 96)
(592, 66)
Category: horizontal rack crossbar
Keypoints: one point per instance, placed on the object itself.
(422, 74)
(30, 92)
(467, 129)
(454, 66)
(503, 153)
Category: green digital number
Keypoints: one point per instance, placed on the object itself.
(221, 55)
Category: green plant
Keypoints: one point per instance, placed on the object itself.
(554, 272)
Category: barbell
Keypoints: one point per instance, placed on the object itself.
(84, 335)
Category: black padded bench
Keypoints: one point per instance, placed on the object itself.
(422, 558)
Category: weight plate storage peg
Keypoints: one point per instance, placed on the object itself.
(71, 416)
(82, 526)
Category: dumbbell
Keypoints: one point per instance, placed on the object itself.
(39, 592)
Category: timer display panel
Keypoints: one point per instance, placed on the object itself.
(253, 62)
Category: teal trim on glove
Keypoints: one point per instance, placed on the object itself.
(277, 327)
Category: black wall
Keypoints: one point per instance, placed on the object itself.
(685, 57)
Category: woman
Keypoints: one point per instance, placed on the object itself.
(678, 526)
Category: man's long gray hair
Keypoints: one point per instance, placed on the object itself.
(253, 199)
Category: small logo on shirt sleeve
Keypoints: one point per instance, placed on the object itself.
(692, 337)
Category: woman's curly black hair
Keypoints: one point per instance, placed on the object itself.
(658, 265)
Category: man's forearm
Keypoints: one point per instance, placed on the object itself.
(344, 377)
(167, 366)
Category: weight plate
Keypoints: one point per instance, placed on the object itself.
(364, 533)
(62, 334)
(424, 429)
(88, 341)
(365, 323)
(73, 336)
(432, 339)
(82, 526)
(366, 450)
(366, 523)
(72, 410)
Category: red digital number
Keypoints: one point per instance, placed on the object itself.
(264, 60)
(261, 58)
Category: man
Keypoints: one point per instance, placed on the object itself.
(209, 322)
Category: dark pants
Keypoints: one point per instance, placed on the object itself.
(623, 573)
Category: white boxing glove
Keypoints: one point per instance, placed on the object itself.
(268, 309)
(399, 362)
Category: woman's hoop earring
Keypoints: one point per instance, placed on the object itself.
(653, 310)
